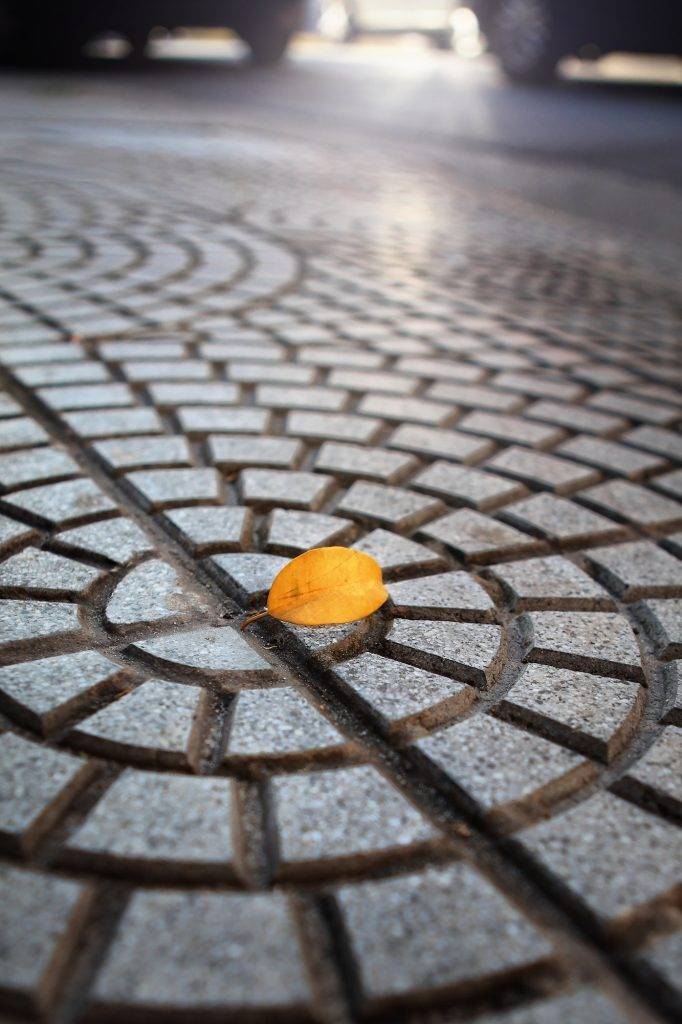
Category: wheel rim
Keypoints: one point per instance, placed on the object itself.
(522, 31)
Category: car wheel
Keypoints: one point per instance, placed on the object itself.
(524, 38)
(268, 38)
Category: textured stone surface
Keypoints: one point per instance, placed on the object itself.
(451, 594)
(634, 504)
(659, 768)
(391, 506)
(478, 538)
(496, 762)
(602, 643)
(589, 848)
(552, 582)
(277, 723)
(472, 652)
(159, 958)
(415, 932)
(557, 474)
(210, 527)
(467, 486)
(638, 570)
(210, 648)
(63, 503)
(152, 591)
(292, 532)
(34, 571)
(394, 553)
(278, 487)
(561, 520)
(34, 620)
(116, 539)
(346, 813)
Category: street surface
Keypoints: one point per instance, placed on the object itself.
(374, 298)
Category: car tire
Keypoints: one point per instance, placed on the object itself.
(523, 35)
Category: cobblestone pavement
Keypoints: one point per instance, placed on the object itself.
(218, 353)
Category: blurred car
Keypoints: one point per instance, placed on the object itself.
(38, 33)
(529, 37)
(344, 20)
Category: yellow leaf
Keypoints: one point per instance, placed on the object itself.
(327, 586)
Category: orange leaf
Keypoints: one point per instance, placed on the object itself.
(327, 586)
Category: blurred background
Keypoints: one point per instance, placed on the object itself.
(564, 102)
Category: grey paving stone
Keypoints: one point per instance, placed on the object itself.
(152, 724)
(372, 380)
(561, 520)
(211, 392)
(544, 387)
(129, 453)
(276, 372)
(147, 370)
(671, 483)
(575, 417)
(446, 595)
(150, 348)
(464, 486)
(433, 930)
(33, 571)
(158, 961)
(290, 532)
(252, 573)
(448, 444)
(153, 591)
(496, 762)
(476, 397)
(208, 419)
(165, 487)
(21, 432)
(659, 768)
(396, 554)
(276, 396)
(63, 503)
(13, 533)
(44, 693)
(338, 356)
(114, 422)
(30, 961)
(634, 408)
(665, 956)
(360, 461)
(342, 814)
(440, 369)
(36, 620)
(210, 527)
(403, 695)
(44, 374)
(209, 649)
(511, 428)
(36, 785)
(591, 849)
(478, 538)
(34, 466)
(611, 456)
(392, 506)
(543, 470)
(333, 426)
(116, 539)
(552, 582)
(234, 451)
(634, 504)
(277, 723)
(474, 653)
(414, 410)
(636, 570)
(593, 714)
(87, 396)
(599, 642)
(654, 439)
(162, 821)
(291, 489)
(23, 354)
(666, 617)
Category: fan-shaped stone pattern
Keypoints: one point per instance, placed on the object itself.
(278, 725)
(471, 652)
(37, 572)
(601, 643)
(450, 595)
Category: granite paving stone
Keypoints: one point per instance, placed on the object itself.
(348, 813)
(164, 487)
(633, 503)
(655, 439)
(562, 520)
(233, 451)
(170, 395)
(33, 571)
(13, 533)
(350, 460)
(665, 617)
(152, 591)
(540, 470)
(602, 643)
(30, 962)
(589, 847)
(552, 582)
(159, 956)
(114, 422)
(36, 785)
(119, 540)
(447, 444)
(63, 503)
(637, 570)
(414, 410)
(291, 532)
(473, 653)
(671, 483)
(495, 761)
(634, 408)
(450, 595)
(290, 489)
(252, 573)
(198, 420)
(575, 417)
(591, 713)
(130, 453)
(397, 554)
(511, 428)
(586, 1004)
(414, 933)
(332, 426)
(209, 649)
(21, 432)
(275, 724)
(162, 820)
(478, 538)
(396, 507)
(659, 768)
(463, 486)
(210, 527)
(34, 466)
(36, 620)
(611, 456)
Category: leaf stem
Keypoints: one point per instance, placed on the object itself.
(252, 618)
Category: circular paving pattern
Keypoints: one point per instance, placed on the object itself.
(466, 805)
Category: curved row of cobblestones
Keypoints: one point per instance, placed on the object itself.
(469, 802)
